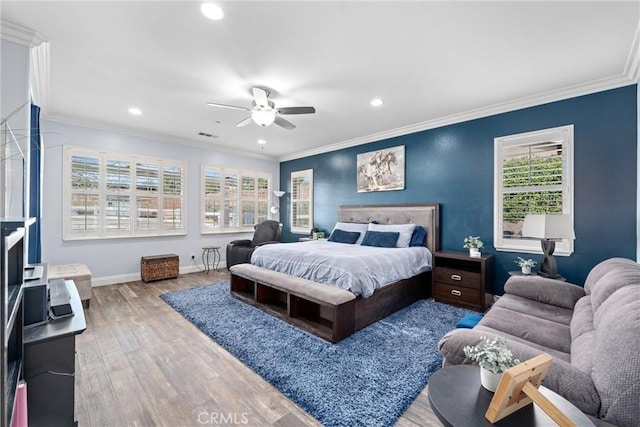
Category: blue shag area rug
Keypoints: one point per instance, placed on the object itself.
(368, 379)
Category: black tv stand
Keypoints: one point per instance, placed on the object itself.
(49, 366)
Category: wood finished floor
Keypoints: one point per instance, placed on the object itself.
(140, 363)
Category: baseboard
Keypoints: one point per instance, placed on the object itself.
(132, 277)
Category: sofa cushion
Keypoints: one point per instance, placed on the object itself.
(547, 291)
(556, 354)
(616, 365)
(621, 277)
(603, 268)
(529, 327)
(535, 308)
(583, 336)
(582, 319)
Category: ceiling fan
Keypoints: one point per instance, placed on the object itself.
(264, 112)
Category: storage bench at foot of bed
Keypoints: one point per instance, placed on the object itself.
(320, 309)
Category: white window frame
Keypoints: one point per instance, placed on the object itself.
(301, 174)
(562, 135)
(205, 226)
(102, 192)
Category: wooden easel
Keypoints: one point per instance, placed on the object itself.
(519, 387)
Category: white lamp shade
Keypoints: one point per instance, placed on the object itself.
(546, 226)
(278, 193)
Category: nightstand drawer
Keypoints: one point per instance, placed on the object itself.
(458, 277)
(457, 294)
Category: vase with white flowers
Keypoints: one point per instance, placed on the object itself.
(525, 264)
(494, 358)
(474, 244)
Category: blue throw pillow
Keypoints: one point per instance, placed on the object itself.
(341, 236)
(469, 321)
(382, 239)
(418, 236)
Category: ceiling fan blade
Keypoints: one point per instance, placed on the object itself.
(261, 97)
(296, 110)
(233, 107)
(284, 123)
(244, 122)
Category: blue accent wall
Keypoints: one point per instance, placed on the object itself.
(453, 165)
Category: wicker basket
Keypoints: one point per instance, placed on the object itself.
(159, 267)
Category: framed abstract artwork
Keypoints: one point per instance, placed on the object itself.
(381, 170)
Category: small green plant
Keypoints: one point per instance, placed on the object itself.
(492, 354)
(472, 242)
(525, 262)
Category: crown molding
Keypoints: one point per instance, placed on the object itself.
(20, 35)
(154, 136)
(491, 110)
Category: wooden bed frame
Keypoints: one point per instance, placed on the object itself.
(281, 295)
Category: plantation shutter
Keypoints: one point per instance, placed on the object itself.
(532, 181)
(84, 207)
(147, 182)
(533, 175)
(118, 199)
(112, 194)
(302, 201)
(172, 197)
(212, 199)
(233, 199)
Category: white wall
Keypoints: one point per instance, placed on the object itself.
(118, 260)
(638, 174)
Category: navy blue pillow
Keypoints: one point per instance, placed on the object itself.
(341, 236)
(381, 239)
(417, 238)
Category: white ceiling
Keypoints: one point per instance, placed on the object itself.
(432, 62)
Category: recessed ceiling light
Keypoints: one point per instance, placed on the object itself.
(212, 11)
(376, 102)
(262, 141)
(135, 111)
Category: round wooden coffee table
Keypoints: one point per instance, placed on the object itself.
(458, 399)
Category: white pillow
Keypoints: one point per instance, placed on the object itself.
(353, 226)
(405, 230)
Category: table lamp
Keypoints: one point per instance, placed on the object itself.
(548, 227)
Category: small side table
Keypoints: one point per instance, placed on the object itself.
(458, 399)
(214, 251)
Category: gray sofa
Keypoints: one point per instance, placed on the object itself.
(592, 333)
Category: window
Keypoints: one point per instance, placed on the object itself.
(302, 201)
(119, 195)
(533, 174)
(234, 200)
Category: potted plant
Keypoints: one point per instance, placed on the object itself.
(474, 244)
(525, 264)
(494, 358)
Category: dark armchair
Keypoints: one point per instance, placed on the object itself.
(239, 251)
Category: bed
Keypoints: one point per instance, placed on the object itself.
(331, 312)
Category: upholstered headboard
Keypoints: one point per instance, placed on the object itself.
(427, 215)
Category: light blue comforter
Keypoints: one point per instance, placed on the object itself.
(355, 268)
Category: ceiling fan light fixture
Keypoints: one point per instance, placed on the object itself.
(263, 117)
(212, 11)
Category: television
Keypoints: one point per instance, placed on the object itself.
(12, 251)
(13, 266)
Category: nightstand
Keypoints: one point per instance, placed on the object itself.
(461, 280)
